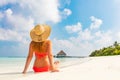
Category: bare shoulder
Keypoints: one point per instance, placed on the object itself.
(31, 43)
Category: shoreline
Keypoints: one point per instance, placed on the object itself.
(70, 56)
(93, 68)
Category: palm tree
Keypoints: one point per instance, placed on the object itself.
(116, 44)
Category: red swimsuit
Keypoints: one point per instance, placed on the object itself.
(40, 69)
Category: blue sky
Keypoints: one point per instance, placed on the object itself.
(78, 26)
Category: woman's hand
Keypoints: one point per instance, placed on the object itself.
(24, 72)
(54, 70)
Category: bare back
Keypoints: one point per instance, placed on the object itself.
(41, 53)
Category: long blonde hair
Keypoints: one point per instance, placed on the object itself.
(39, 46)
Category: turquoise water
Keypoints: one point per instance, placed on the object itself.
(11, 60)
(16, 61)
(7, 60)
(16, 65)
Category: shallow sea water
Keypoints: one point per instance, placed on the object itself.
(19, 62)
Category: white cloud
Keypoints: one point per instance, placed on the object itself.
(74, 28)
(17, 20)
(72, 47)
(21, 24)
(67, 12)
(85, 35)
(96, 23)
(23, 17)
(42, 10)
(65, 43)
(103, 38)
(75, 45)
(9, 35)
(9, 12)
(118, 35)
(87, 40)
(17, 27)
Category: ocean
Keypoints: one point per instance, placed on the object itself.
(15, 63)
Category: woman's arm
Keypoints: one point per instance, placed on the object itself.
(51, 59)
(29, 58)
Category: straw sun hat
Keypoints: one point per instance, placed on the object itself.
(40, 33)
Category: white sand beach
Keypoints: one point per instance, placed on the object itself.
(95, 68)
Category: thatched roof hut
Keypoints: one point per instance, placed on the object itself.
(61, 53)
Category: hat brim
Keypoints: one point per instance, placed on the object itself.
(43, 36)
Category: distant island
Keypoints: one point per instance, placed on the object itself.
(107, 51)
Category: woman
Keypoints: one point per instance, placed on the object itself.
(42, 49)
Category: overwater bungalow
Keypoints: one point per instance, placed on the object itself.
(61, 54)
